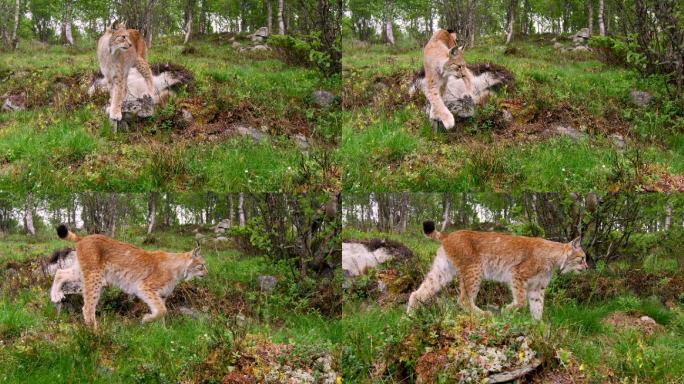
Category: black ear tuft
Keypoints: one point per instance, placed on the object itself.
(62, 231)
(450, 30)
(428, 227)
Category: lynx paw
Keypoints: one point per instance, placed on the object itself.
(115, 114)
(147, 318)
(56, 296)
(448, 121)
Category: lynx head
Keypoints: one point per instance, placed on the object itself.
(120, 39)
(456, 64)
(197, 266)
(575, 258)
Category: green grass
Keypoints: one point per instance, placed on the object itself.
(39, 345)
(389, 145)
(571, 329)
(65, 143)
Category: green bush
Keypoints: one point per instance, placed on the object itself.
(307, 50)
(619, 51)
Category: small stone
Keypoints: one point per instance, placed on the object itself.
(199, 236)
(641, 98)
(267, 283)
(187, 116)
(254, 133)
(15, 102)
(506, 116)
(302, 141)
(618, 140)
(186, 311)
(236, 44)
(220, 239)
(261, 47)
(557, 45)
(323, 98)
(647, 320)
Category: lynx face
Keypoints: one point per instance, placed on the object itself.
(120, 40)
(576, 260)
(198, 266)
(456, 65)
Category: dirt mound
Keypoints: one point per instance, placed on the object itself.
(623, 321)
(667, 183)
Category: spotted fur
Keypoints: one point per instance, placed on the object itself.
(524, 263)
(150, 275)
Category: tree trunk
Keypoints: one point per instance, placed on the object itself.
(241, 209)
(151, 212)
(66, 23)
(15, 40)
(28, 215)
(149, 14)
(188, 20)
(445, 211)
(668, 215)
(389, 18)
(269, 16)
(602, 26)
(281, 21)
(510, 20)
(590, 16)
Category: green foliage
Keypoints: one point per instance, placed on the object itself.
(305, 50)
(619, 50)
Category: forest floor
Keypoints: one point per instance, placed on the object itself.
(592, 328)
(220, 328)
(606, 143)
(64, 141)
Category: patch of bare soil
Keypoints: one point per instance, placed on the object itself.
(623, 321)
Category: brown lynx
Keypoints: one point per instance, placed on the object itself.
(150, 275)
(441, 59)
(524, 263)
(118, 50)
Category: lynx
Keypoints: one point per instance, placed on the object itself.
(150, 275)
(442, 59)
(118, 50)
(524, 263)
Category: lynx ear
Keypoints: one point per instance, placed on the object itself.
(196, 252)
(577, 243)
(455, 51)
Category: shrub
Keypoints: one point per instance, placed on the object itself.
(307, 50)
(616, 51)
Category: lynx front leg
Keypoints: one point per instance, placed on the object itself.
(519, 292)
(438, 110)
(536, 301)
(156, 304)
(441, 273)
(116, 95)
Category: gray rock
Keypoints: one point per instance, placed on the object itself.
(557, 45)
(618, 140)
(254, 133)
(187, 116)
(323, 98)
(199, 236)
(260, 35)
(186, 311)
(261, 47)
(222, 226)
(463, 108)
(506, 116)
(221, 239)
(640, 98)
(647, 320)
(302, 141)
(570, 132)
(236, 44)
(267, 283)
(15, 102)
(581, 37)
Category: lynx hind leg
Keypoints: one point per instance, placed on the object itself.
(62, 276)
(92, 286)
(144, 68)
(441, 273)
(155, 302)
